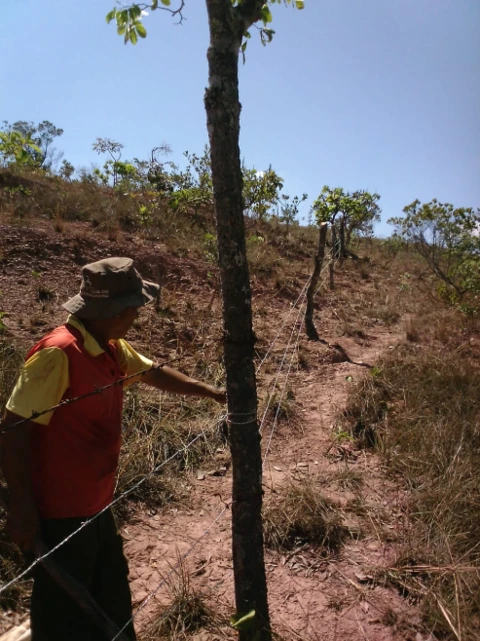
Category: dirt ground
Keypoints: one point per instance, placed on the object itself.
(312, 597)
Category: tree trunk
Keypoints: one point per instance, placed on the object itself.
(348, 239)
(343, 251)
(319, 256)
(223, 122)
(333, 256)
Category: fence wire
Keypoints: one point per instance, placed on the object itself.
(301, 297)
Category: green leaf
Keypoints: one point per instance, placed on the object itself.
(300, 4)
(121, 29)
(266, 14)
(110, 15)
(134, 12)
(166, 2)
(242, 621)
(140, 29)
(133, 36)
(154, 5)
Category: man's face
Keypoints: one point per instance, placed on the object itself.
(124, 321)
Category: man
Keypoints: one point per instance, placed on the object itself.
(60, 467)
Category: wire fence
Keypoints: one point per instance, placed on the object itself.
(299, 301)
(302, 295)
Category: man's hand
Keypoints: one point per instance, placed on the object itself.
(220, 395)
(22, 524)
(171, 380)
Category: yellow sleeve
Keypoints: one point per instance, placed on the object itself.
(131, 362)
(41, 384)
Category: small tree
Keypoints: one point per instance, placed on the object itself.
(330, 203)
(44, 155)
(363, 211)
(16, 149)
(66, 170)
(261, 192)
(114, 150)
(289, 209)
(229, 22)
(448, 239)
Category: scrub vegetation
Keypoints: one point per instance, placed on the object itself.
(417, 408)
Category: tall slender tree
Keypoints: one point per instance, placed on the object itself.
(229, 23)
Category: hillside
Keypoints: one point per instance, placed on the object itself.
(354, 548)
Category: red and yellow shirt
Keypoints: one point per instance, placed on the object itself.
(75, 448)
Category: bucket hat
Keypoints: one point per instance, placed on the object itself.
(108, 287)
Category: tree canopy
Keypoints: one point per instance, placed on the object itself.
(448, 239)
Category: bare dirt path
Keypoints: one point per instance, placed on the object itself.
(312, 597)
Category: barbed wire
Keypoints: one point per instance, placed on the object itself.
(69, 401)
(281, 367)
(189, 551)
(292, 307)
(284, 389)
(134, 487)
(155, 470)
(39, 559)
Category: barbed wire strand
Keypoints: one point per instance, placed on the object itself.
(155, 470)
(91, 519)
(292, 307)
(39, 559)
(285, 352)
(69, 401)
(189, 551)
(277, 413)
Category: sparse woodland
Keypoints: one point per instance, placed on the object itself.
(370, 436)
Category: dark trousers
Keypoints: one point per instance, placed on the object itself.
(94, 557)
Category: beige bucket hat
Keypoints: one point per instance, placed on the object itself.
(108, 287)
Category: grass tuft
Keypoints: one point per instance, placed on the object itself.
(186, 613)
(297, 514)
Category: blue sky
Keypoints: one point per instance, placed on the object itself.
(375, 94)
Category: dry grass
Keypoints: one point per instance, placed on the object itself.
(11, 559)
(186, 613)
(158, 428)
(297, 513)
(421, 409)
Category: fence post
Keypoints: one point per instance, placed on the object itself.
(318, 261)
(333, 256)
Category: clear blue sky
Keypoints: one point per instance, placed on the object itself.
(375, 94)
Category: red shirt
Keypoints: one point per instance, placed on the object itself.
(74, 458)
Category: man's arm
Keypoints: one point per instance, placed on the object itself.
(22, 521)
(171, 380)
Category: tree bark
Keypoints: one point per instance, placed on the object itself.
(223, 121)
(343, 251)
(333, 256)
(319, 256)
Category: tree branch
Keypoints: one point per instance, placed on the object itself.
(250, 11)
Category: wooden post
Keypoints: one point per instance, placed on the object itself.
(333, 256)
(343, 250)
(318, 261)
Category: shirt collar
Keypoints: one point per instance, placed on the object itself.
(90, 343)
